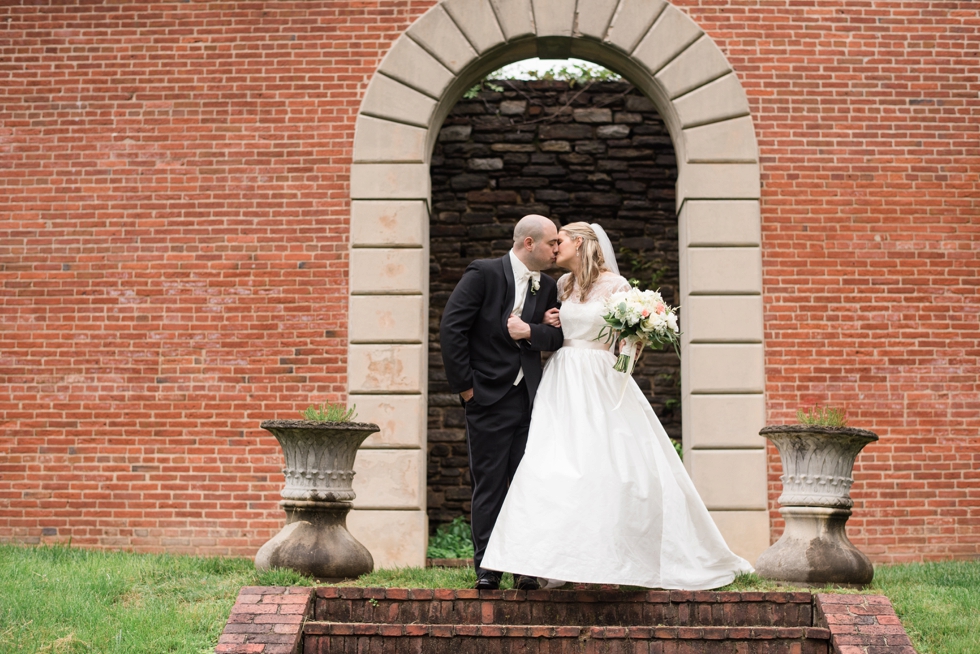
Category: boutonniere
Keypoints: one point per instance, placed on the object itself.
(535, 285)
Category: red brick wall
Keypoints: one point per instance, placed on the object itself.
(173, 238)
(868, 121)
(174, 202)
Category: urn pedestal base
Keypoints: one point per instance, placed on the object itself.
(814, 551)
(315, 542)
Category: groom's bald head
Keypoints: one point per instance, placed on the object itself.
(531, 226)
(536, 241)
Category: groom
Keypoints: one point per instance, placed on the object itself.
(492, 339)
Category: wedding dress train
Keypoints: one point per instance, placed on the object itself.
(600, 495)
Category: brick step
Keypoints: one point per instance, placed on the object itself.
(270, 620)
(334, 637)
(562, 607)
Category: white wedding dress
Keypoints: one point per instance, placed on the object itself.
(600, 495)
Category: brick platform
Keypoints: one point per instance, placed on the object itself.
(337, 619)
(862, 624)
(266, 620)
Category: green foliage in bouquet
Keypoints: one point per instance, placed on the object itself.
(822, 416)
(330, 413)
(620, 324)
(452, 541)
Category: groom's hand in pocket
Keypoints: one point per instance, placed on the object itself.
(518, 328)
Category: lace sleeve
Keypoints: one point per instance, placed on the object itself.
(563, 282)
(608, 284)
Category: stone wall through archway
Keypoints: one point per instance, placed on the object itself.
(680, 69)
(595, 151)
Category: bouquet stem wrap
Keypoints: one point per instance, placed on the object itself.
(625, 363)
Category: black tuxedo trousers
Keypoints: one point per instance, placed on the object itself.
(495, 437)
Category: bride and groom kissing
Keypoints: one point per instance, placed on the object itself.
(567, 488)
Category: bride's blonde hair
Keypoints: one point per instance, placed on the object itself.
(591, 261)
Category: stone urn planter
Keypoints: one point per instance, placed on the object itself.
(317, 498)
(818, 464)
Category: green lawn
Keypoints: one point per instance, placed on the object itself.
(939, 603)
(59, 600)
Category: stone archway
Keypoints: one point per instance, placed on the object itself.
(668, 57)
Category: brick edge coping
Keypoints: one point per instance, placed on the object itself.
(549, 631)
(271, 619)
(267, 620)
(861, 624)
(558, 594)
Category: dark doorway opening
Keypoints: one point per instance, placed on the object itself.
(594, 151)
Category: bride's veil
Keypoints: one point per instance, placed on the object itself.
(607, 249)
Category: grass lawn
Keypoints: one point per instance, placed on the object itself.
(939, 603)
(58, 600)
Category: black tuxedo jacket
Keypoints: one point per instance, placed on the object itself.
(477, 349)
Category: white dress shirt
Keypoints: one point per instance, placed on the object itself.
(522, 277)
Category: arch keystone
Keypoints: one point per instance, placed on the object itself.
(553, 17)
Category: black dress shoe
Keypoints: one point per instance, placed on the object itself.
(487, 581)
(523, 582)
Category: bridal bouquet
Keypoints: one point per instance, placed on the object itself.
(641, 318)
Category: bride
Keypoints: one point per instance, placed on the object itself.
(600, 495)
